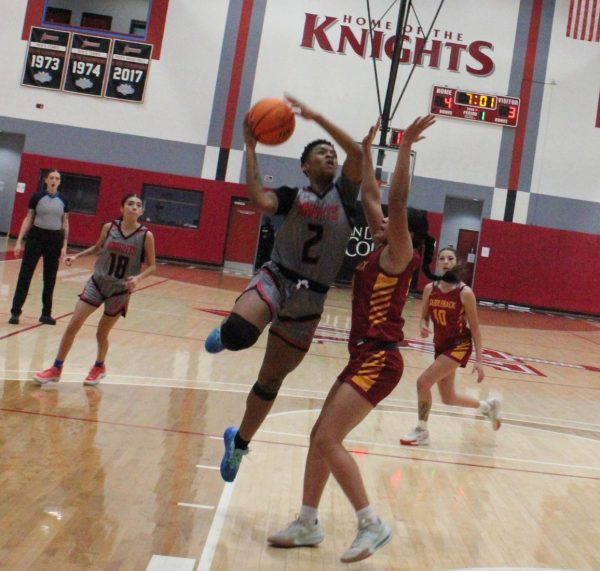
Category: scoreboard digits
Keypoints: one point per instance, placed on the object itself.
(474, 106)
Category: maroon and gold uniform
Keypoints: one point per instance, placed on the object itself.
(375, 364)
(451, 334)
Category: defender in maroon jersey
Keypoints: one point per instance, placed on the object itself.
(379, 291)
(452, 307)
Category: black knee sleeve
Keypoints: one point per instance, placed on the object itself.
(264, 393)
(237, 333)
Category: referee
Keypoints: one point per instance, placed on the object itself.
(48, 226)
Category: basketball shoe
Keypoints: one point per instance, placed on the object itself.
(371, 536)
(232, 458)
(48, 375)
(494, 414)
(299, 533)
(417, 437)
(94, 376)
(213, 342)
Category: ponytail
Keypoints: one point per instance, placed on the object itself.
(453, 276)
(422, 241)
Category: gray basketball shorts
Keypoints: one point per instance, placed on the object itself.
(113, 295)
(295, 311)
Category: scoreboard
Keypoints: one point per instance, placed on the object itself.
(474, 106)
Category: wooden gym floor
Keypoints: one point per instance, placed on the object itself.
(124, 476)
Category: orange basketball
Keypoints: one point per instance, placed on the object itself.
(272, 121)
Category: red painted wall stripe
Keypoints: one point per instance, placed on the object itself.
(593, 22)
(237, 69)
(570, 18)
(526, 85)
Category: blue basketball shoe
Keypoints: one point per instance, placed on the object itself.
(213, 342)
(232, 457)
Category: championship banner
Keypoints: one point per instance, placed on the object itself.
(128, 71)
(46, 56)
(87, 65)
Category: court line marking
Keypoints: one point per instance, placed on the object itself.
(396, 456)
(195, 384)
(169, 563)
(216, 527)
(35, 325)
(197, 506)
(428, 449)
(207, 467)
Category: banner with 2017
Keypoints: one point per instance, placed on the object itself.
(86, 64)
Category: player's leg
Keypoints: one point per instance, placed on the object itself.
(251, 313)
(31, 256)
(347, 410)
(51, 254)
(441, 368)
(305, 530)
(98, 371)
(82, 311)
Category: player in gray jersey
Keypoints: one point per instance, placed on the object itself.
(289, 291)
(122, 247)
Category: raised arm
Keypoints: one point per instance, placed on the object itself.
(369, 190)
(470, 304)
(265, 200)
(399, 249)
(352, 168)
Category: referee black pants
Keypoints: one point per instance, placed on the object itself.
(40, 243)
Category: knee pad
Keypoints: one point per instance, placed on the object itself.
(237, 333)
(264, 393)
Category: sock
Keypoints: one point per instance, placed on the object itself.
(238, 442)
(99, 364)
(58, 364)
(422, 424)
(308, 513)
(484, 406)
(367, 513)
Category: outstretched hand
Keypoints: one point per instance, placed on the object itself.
(368, 138)
(414, 131)
(300, 108)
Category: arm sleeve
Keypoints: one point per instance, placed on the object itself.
(285, 196)
(33, 201)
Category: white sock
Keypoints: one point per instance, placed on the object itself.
(367, 513)
(422, 424)
(308, 513)
(484, 406)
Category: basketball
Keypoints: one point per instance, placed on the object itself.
(272, 121)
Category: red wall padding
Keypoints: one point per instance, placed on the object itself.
(528, 265)
(539, 267)
(205, 244)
